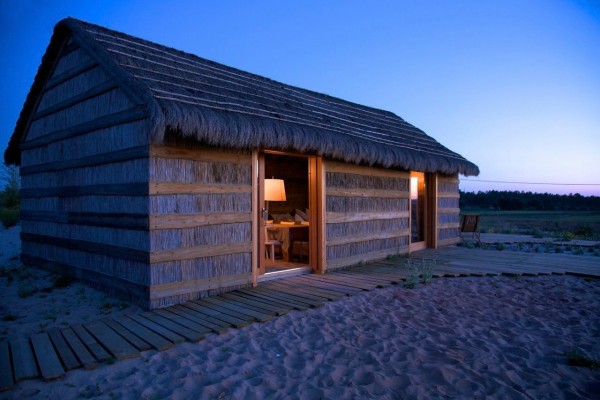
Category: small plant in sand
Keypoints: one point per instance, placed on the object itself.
(500, 246)
(9, 317)
(26, 290)
(418, 271)
(577, 359)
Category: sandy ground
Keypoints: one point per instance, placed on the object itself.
(33, 300)
(465, 338)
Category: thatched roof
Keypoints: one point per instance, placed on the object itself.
(226, 107)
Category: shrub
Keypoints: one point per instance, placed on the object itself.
(500, 246)
(9, 217)
(62, 281)
(583, 231)
(26, 291)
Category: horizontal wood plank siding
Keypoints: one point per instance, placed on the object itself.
(367, 214)
(448, 211)
(85, 171)
(129, 135)
(115, 220)
(200, 222)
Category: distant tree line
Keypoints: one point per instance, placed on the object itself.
(507, 200)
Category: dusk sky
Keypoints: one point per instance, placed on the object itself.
(513, 86)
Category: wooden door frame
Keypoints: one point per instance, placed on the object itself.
(316, 195)
(430, 204)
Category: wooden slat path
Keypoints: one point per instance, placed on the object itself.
(47, 358)
(89, 345)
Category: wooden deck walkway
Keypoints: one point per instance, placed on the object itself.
(50, 354)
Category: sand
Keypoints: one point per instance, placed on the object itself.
(465, 338)
(31, 301)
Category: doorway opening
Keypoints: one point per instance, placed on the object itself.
(418, 211)
(288, 214)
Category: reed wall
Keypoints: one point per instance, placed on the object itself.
(367, 213)
(85, 172)
(200, 223)
(448, 222)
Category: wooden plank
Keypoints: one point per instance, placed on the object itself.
(163, 188)
(23, 360)
(221, 308)
(181, 221)
(274, 298)
(135, 340)
(448, 210)
(211, 313)
(90, 247)
(7, 379)
(271, 300)
(187, 333)
(204, 155)
(345, 217)
(315, 291)
(296, 291)
(318, 284)
(92, 344)
(240, 307)
(127, 221)
(318, 214)
(447, 195)
(258, 257)
(370, 193)
(260, 306)
(120, 348)
(392, 277)
(188, 253)
(158, 328)
(70, 73)
(362, 258)
(365, 238)
(175, 318)
(88, 94)
(85, 357)
(215, 325)
(109, 189)
(132, 114)
(335, 166)
(346, 282)
(131, 153)
(292, 297)
(46, 357)
(155, 340)
(373, 279)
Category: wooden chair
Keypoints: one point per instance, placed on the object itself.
(469, 223)
(270, 245)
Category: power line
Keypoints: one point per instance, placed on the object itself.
(535, 183)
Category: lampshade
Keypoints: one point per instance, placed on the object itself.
(274, 190)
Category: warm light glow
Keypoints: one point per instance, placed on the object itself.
(414, 187)
(274, 190)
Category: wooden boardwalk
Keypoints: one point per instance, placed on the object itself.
(51, 354)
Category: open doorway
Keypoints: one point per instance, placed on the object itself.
(287, 223)
(418, 211)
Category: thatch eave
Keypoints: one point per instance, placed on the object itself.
(247, 132)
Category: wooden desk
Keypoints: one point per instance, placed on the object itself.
(287, 235)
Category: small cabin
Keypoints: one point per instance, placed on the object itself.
(164, 177)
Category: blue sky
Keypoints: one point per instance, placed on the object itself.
(513, 86)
